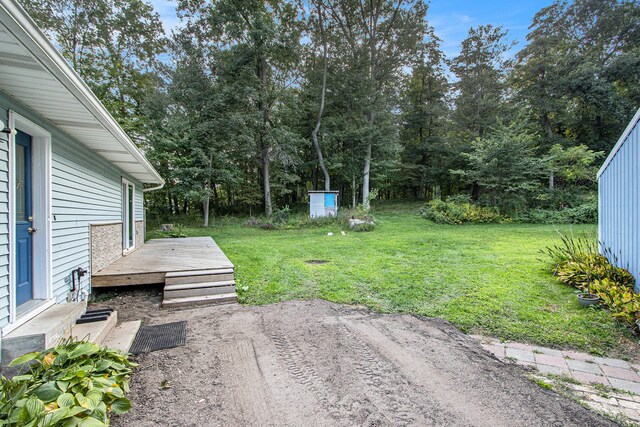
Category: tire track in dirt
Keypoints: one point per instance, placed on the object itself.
(302, 371)
(250, 396)
(376, 375)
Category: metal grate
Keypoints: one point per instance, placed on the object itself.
(159, 337)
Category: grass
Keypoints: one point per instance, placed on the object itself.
(486, 279)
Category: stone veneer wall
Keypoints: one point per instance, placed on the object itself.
(139, 233)
(106, 244)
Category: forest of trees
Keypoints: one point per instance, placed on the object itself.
(251, 103)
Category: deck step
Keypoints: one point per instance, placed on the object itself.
(200, 291)
(199, 272)
(197, 285)
(200, 300)
(122, 336)
(198, 276)
(95, 332)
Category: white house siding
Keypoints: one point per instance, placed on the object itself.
(85, 189)
(139, 203)
(619, 201)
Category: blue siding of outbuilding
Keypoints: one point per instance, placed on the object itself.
(619, 202)
(85, 189)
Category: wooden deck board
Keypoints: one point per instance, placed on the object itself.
(157, 257)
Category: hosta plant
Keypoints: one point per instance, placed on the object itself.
(77, 383)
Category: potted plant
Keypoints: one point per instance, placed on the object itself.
(588, 298)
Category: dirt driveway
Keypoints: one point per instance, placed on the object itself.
(314, 363)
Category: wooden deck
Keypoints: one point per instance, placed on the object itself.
(157, 257)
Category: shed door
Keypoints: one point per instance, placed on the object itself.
(329, 200)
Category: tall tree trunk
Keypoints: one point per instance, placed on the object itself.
(353, 191)
(268, 208)
(367, 163)
(262, 136)
(205, 208)
(207, 190)
(316, 129)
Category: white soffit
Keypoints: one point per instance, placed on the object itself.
(35, 73)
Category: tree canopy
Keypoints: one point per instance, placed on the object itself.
(250, 104)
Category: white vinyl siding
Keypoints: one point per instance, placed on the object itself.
(85, 189)
(139, 202)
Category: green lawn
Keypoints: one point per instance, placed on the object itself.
(487, 279)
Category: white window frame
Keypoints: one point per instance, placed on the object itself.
(125, 216)
(42, 242)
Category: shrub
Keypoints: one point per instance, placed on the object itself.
(76, 383)
(281, 215)
(364, 227)
(578, 263)
(178, 231)
(459, 211)
(586, 213)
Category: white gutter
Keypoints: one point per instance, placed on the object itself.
(621, 141)
(157, 187)
(26, 30)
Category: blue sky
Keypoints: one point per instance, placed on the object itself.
(450, 18)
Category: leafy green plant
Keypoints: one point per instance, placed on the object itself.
(77, 383)
(364, 227)
(177, 231)
(459, 211)
(578, 263)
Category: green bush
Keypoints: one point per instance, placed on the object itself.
(457, 211)
(364, 227)
(578, 263)
(586, 213)
(77, 383)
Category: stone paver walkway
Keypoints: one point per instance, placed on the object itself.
(585, 368)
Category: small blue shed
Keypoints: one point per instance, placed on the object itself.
(323, 203)
(619, 201)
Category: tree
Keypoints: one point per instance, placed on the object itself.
(505, 164)
(114, 46)
(261, 41)
(319, 6)
(381, 36)
(425, 110)
(480, 68)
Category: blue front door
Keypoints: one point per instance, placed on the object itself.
(24, 220)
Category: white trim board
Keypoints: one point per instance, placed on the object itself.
(620, 142)
(41, 184)
(125, 216)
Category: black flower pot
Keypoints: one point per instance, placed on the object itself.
(586, 299)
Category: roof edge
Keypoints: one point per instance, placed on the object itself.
(54, 62)
(621, 140)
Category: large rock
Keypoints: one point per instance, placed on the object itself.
(354, 222)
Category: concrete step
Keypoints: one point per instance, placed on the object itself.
(199, 300)
(43, 331)
(95, 332)
(122, 336)
(216, 289)
(197, 276)
(196, 285)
